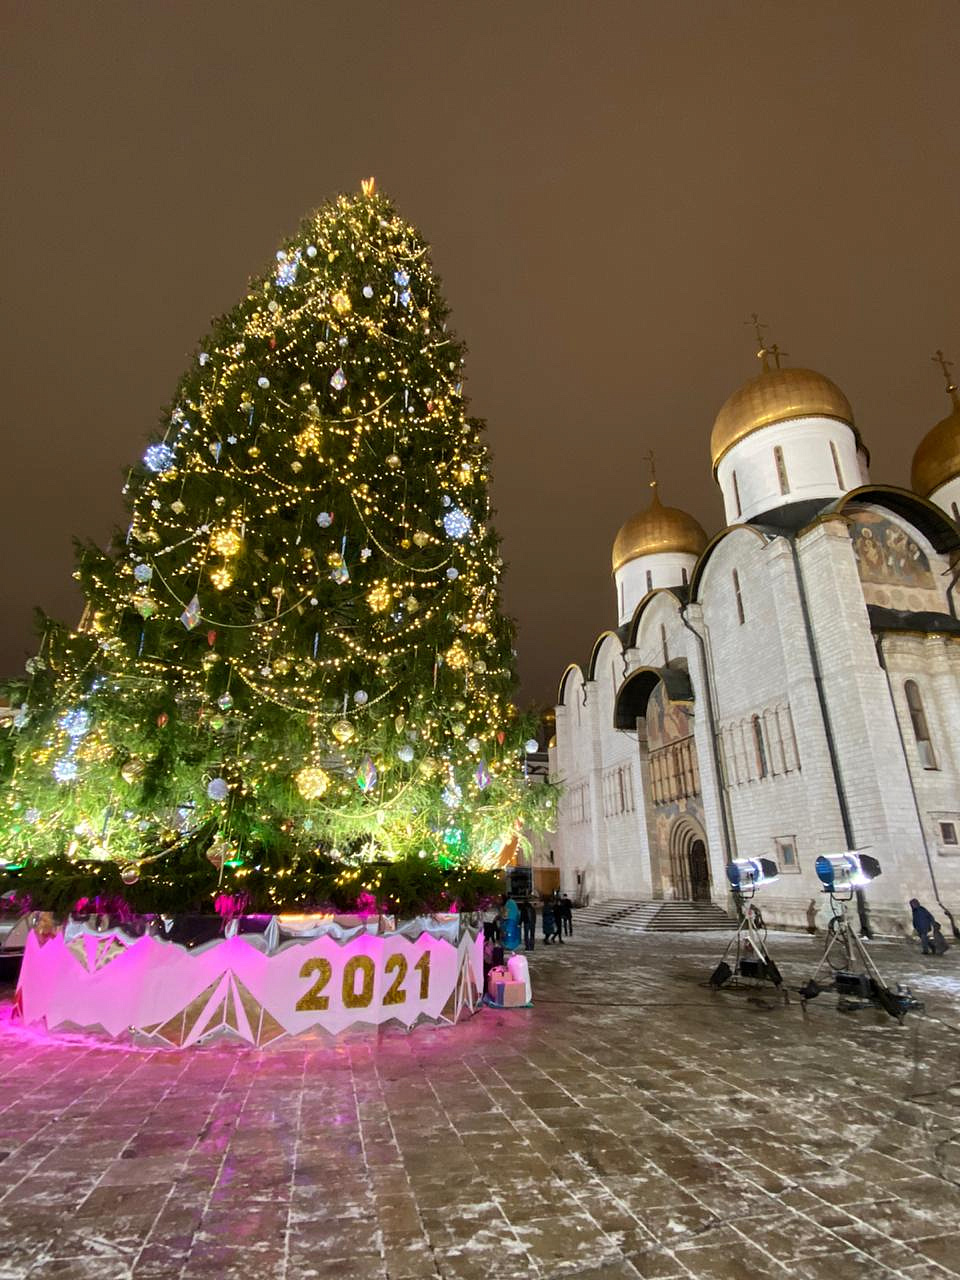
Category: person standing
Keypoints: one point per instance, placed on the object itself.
(549, 921)
(566, 915)
(510, 925)
(528, 918)
(923, 922)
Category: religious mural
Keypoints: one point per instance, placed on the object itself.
(667, 721)
(894, 571)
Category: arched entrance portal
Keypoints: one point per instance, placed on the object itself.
(699, 872)
(689, 867)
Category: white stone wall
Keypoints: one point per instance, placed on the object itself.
(666, 569)
(808, 461)
(934, 663)
(870, 756)
(757, 667)
(948, 497)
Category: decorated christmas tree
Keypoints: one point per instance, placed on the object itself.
(292, 677)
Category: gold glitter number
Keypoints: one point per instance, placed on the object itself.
(395, 995)
(312, 999)
(423, 968)
(357, 999)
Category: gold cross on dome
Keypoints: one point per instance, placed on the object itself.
(651, 460)
(945, 367)
(368, 186)
(762, 350)
(758, 328)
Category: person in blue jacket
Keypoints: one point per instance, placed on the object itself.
(923, 923)
(510, 925)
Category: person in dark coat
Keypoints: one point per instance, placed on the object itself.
(528, 918)
(923, 923)
(551, 928)
(566, 916)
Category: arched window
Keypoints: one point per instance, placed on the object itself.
(759, 747)
(781, 470)
(836, 465)
(683, 571)
(918, 719)
(663, 644)
(736, 493)
(649, 580)
(956, 512)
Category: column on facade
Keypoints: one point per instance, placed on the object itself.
(711, 783)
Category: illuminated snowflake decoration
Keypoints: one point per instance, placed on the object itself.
(451, 795)
(75, 724)
(287, 267)
(159, 458)
(456, 523)
(65, 770)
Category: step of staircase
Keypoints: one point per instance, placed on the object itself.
(690, 916)
(631, 916)
(606, 912)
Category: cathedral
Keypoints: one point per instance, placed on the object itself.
(786, 688)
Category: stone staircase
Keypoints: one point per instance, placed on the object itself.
(646, 917)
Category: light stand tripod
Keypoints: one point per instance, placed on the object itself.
(856, 979)
(752, 960)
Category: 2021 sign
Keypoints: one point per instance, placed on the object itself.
(395, 968)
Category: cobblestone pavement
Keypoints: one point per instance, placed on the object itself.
(632, 1124)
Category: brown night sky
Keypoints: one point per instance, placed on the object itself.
(610, 190)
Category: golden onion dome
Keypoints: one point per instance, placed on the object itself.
(776, 395)
(937, 458)
(656, 530)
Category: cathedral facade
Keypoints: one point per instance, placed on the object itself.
(787, 688)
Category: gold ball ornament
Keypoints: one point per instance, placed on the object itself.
(392, 461)
(225, 542)
(421, 538)
(379, 597)
(130, 873)
(133, 770)
(312, 782)
(343, 731)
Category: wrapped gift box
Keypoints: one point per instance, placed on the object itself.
(506, 993)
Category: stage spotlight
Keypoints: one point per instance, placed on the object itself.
(838, 872)
(747, 874)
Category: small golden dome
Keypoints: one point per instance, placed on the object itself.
(776, 395)
(937, 458)
(655, 530)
